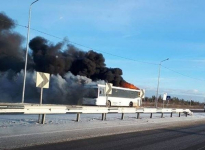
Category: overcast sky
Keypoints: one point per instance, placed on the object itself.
(143, 31)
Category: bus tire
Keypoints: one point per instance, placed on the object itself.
(108, 104)
(131, 104)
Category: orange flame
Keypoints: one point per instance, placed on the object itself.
(129, 85)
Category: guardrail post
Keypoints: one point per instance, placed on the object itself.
(122, 117)
(43, 118)
(171, 114)
(103, 116)
(39, 118)
(179, 114)
(162, 115)
(151, 115)
(78, 117)
(138, 115)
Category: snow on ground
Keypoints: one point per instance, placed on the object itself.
(9, 121)
(23, 130)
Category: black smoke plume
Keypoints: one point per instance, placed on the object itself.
(61, 60)
(52, 59)
(11, 50)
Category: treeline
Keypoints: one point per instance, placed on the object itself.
(173, 100)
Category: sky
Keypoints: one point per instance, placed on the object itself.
(134, 35)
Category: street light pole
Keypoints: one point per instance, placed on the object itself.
(156, 98)
(27, 42)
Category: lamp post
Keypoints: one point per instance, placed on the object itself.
(24, 82)
(156, 98)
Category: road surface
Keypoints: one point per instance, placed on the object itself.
(22, 131)
(191, 137)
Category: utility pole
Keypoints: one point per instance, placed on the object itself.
(27, 41)
(156, 98)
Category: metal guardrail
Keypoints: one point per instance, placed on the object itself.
(19, 108)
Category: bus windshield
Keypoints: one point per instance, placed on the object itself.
(91, 93)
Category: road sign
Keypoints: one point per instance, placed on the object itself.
(42, 80)
(168, 97)
(165, 97)
(142, 93)
(108, 88)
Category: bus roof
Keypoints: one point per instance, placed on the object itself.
(114, 87)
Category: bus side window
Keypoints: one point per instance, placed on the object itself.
(101, 92)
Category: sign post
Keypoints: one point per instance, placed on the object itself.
(42, 81)
(41, 96)
(108, 90)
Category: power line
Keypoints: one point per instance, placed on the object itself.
(13, 23)
(93, 49)
(46, 33)
(82, 44)
(182, 74)
(100, 50)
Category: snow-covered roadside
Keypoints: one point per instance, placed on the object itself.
(22, 130)
(20, 123)
(9, 121)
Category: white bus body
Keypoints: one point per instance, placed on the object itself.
(95, 95)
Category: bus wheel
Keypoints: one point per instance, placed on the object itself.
(131, 104)
(108, 104)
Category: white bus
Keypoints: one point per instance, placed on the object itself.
(95, 95)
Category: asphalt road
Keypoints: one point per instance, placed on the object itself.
(191, 137)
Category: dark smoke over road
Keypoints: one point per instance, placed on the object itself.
(11, 52)
(60, 60)
(63, 90)
(52, 59)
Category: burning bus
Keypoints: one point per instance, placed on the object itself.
(96, 95)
